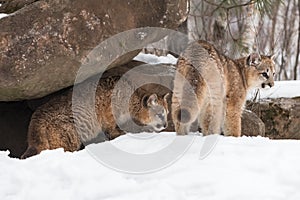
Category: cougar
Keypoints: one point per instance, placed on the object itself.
(210, 88)
(52, 125)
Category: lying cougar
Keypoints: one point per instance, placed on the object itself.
(52, 124)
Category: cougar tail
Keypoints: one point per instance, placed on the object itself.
(31, 151)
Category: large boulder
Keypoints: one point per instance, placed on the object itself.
(252, 125)
(281, 117)
(44, 44)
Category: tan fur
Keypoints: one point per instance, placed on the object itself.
(52, 124)
(211, 88)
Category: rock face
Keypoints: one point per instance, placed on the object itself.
(281, 117)
(252, 125)
(44, 44)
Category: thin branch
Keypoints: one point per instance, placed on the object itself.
(298, 45)
(250, 2)
(218, 7)
(228, 25)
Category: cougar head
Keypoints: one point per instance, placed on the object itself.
(262, 70)
(157, 112)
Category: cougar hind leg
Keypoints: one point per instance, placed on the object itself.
(184, 120)
(211, 120)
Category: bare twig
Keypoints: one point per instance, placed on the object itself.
(250, 2)
(298, 46)
(229, 29)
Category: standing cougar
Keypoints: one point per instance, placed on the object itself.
(211, 89)
(53, 124)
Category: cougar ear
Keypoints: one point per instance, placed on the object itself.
(166, 97)
(152, 100)
(254, 59)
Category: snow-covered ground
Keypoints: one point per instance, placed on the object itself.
(236, 168)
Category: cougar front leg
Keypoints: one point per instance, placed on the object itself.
(116, 132)
(233, 121)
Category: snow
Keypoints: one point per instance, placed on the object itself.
(287, 89)
(153, 59)
(237, 168)
(3, 15)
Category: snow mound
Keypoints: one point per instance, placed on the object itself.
(237, 168)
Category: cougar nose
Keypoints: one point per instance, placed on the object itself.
(162, 126)
(271, 84)
(165, 125)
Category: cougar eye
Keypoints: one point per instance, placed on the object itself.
(264, 74)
